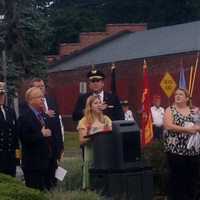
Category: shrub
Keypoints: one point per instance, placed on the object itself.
(70, 188)
(8, 179)
(12, 189)
(75, 195)
(154, 154)
(73, 179)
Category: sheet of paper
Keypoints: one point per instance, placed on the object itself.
(60, 173)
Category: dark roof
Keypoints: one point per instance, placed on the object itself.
(154, 42)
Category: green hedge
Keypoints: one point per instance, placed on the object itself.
(12, 189)
(73, 179)
(154, 154)
(70, 188)
(75, 195)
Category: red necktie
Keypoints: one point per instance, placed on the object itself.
(48, 139)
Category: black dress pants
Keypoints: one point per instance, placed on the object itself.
(37, 179)
(183, 176)
(51, 180)
(158, 132)
(8, 162)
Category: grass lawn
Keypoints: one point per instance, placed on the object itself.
(71, 141)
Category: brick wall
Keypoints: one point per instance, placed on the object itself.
(68, 48)
(88, 38)
(114, 28)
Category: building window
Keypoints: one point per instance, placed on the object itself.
(83, 87)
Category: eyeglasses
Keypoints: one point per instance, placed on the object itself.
(38, 97)
(95, 80)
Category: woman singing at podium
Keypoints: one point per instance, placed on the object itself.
(94, 121)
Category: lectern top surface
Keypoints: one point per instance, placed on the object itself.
(98, 133)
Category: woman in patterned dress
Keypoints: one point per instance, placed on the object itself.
(93, 121)
(183, 162)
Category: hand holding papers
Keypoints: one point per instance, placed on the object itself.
(60, 173)
(194, 140)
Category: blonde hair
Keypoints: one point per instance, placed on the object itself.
(89, 114)
(29, 93)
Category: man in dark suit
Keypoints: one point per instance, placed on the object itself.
(110, 102)
(52, 116)
(8, 136)
(36, 140)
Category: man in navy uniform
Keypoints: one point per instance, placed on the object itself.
(8, 136)
(110, 102)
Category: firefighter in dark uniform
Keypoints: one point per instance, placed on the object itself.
(110, 102)
(8, 136)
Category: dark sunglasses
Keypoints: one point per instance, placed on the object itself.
(95, 80)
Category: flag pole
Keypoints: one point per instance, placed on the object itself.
(190, 81)
(113, 79)
(146, 121)
(194, 75)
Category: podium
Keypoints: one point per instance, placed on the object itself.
(118, 149)
(103, 145)
(117, 169)
(129, 185)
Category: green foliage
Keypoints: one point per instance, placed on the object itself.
(11, 189)
(23, 33)
(8, 179)
(73, 179)
(70, 188)
(68, 22)
(70, 17)
(71, 142)
(29, 37)
(75, 195)
(154, 154)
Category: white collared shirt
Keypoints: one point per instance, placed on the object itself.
(3, 111)
(60, 118)
(100, 95)
(45, 104)
(128, 115)
(157, 115)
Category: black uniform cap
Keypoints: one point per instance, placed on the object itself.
(2, 87)
(2, 84)
(95, 74)
(124, 103)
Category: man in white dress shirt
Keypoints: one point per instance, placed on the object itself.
(157, 115)
(128, 115)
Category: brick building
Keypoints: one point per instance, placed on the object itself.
(165, 49)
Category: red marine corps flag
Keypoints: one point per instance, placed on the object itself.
(147, 129)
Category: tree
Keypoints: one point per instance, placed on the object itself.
(68, 21)
(70, 17)
(24, 32)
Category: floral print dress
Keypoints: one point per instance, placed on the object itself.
(176, 143)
